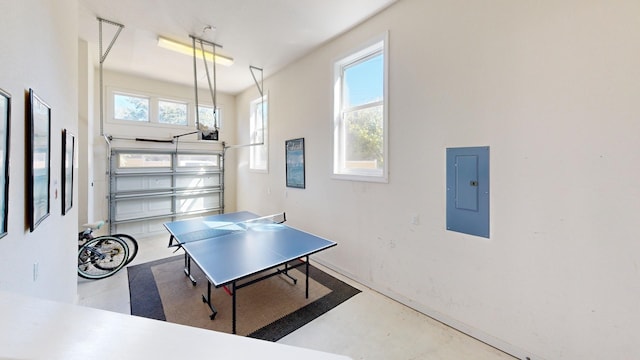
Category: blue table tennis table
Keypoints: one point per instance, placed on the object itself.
(231, 248)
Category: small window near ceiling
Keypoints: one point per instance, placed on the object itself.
(208, 120)
(360, 116)
(130, 108)
(259, 155)
(136, 160)
(172, 113)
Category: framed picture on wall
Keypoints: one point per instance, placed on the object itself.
(38, 159)
(5, 121)
(68, 150)
(294, 151)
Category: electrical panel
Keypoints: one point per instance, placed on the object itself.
(468, 190)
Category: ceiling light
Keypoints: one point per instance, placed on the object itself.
(188, 50)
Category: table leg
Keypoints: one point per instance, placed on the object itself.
(307, 271)
(233, 291)
(286, 273)
(187, 268)
(207, 300)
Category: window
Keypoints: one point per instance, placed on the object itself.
(135, 160)
(360, 114)
(258, 156)
(171, 112)
(131, 108)
(207, 119)
(197, 160)
(142, 108)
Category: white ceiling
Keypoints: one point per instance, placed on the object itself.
(267, 34)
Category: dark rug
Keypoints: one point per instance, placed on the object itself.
(267, 310)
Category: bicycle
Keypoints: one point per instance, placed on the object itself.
(102, 256)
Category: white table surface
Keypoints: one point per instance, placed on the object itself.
(32, 328)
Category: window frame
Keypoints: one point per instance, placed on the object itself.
(181, 164)
(123, 168)
(253, 105)
(112, 108)
(154, 111)
(379, 44)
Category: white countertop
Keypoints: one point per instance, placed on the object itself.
(32, 328)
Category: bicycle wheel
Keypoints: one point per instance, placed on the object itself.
(102, 257)
(133, 245)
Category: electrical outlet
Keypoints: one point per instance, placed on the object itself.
(415, 219)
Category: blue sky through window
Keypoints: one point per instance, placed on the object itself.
(364, 82)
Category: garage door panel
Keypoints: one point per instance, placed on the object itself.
(128, 208)
(132, 209)
(144, 195)
(197, 181)
(143, 183)
(196, 203)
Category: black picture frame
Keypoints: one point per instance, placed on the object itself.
(295, 167)
(68, 153)
(5, 126)
(38, 160)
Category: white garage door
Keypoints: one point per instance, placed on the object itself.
(149, 188)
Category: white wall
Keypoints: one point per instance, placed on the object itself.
(121, 133)
(39, 51)
(553, 88)
(86, 74)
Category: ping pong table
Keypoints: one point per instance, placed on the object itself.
(231, 249)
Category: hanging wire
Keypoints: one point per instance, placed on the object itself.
(195, 80)
(261, 91)
(103, 57)
(212, 90)
(260, 86)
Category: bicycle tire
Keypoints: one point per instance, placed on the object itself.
(102, 257)
(133, 245)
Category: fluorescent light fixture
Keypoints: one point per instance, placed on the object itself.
(188, 50)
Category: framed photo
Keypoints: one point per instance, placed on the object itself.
(294, 151)
(5, 121)
(38, 157)
(68, 150)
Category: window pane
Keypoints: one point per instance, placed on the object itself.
(364, 81)
(197, 160)
(173, 113)
(144, 160)
(132, 108)
(258, 156)
(360, 114)
(364, 146)
(206, 117)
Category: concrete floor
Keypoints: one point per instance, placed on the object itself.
(367, 326)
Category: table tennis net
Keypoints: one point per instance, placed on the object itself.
(218, 229)
(270, 219)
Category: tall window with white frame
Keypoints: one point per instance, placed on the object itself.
(360, 114)
(258, 132)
